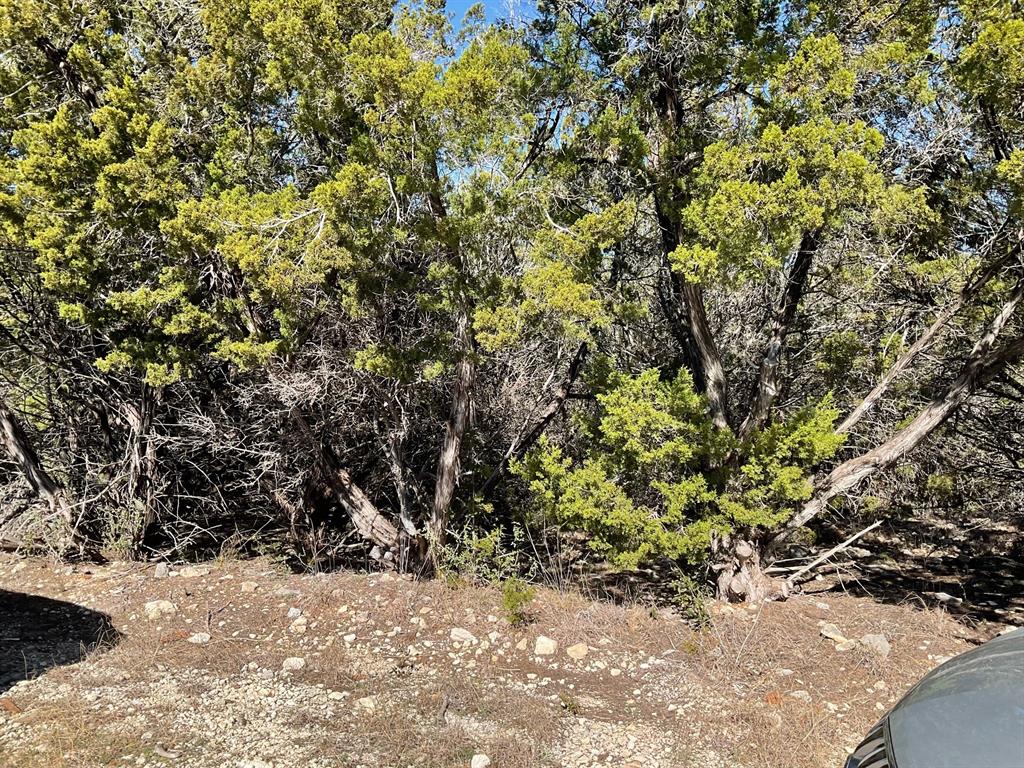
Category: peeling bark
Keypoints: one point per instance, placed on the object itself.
(692, 331)
(142, 463)
(712, 371)
(449, 460)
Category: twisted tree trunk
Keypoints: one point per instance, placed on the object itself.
(712, 370)
(449, 460)
(767, 388)
(691, 328)
(142, 463)
(18, 446)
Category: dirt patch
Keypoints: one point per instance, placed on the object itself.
(243, 665)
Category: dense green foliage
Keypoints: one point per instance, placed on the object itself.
(658, 478)
(275, 269)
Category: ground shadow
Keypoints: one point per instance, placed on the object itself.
(974, 574)
(37, 633)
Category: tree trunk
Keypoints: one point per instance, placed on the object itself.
(142, 464)
(363, 514)
(406, 488)
(740, 577)
(671, 306)
(365, 517)
(18, 446)
(697, 339)
(691, 328)
(768, 381)
(981, 366)
(413, 546)
(710, 361)
(448, 462)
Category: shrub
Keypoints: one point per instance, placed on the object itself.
(516, 596)
(654, 477)
(690, 599)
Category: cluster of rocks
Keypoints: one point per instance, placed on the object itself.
(874, 643)
(595, 743)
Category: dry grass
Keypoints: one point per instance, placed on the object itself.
(73, 737)
(742, 654)
(721, 689)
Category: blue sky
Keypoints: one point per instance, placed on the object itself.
(495, 8)
(458, 7)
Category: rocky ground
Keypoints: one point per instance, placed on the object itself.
(241, 664)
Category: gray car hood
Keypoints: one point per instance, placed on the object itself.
(967, 713)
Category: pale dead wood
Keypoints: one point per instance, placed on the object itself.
(831, 553)
(984, 362)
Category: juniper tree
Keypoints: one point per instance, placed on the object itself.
(805, 166)
(675, 277)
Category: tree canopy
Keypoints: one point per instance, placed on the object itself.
(674, 280)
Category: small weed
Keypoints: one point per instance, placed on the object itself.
(484, 558)
(569, 703)
(690, 599)
(516, 596)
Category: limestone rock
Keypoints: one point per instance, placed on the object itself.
(832, 632)
(578, 651)
(545, 646)
(157, 609)
(480, 761)
(293, 664)
(877, 644)
(460, 635)
(367, 704)
(192, 571)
